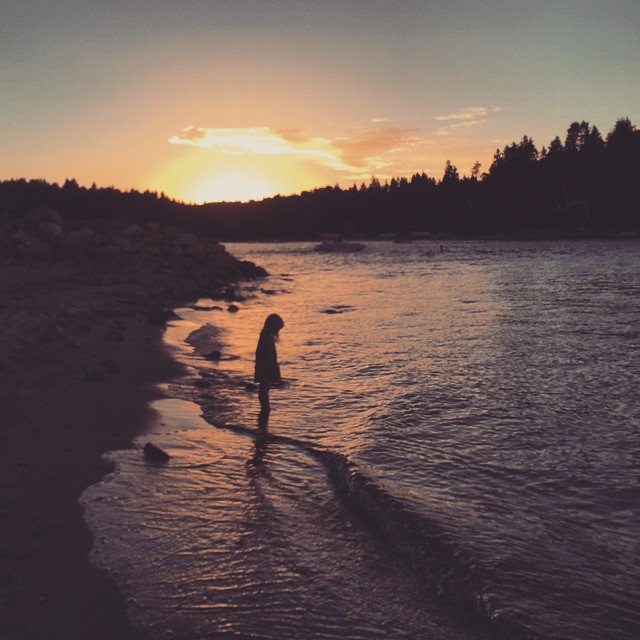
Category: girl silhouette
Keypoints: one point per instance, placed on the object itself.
(267, 371)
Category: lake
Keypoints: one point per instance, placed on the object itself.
(455, 452)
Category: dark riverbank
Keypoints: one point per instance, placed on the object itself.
(80, 357)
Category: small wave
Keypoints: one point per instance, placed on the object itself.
(446, 569)
(443, 566)
(337, 309)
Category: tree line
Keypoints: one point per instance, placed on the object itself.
(584, 183)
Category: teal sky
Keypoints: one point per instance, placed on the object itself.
(279, 96)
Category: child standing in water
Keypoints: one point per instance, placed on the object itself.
(267, 371)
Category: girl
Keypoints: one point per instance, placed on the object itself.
(267, 371)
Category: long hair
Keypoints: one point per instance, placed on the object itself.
(273, 324)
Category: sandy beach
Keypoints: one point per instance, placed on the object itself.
(80, 357)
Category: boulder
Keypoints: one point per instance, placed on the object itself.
(133, 231)
(28, 245)
(127, 245)
(82, 236)
(51, 230)
(251, 270)
(42, 214)
(188, 244)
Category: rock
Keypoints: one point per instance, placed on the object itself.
(28, 245)
(251, 270)
(190, 245)
(81, 236)
(51, 230)
(232, 308)
(230, 295)
(161, 316)
(214, 355)
(133, 231)
(151, 452)
(127, 245)
(151, 228)
(42, 214)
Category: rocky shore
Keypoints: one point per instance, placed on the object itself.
(82, 307)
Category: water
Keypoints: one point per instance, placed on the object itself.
(456, 453)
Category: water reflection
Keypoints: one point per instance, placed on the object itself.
(472, 386)
(255, 464)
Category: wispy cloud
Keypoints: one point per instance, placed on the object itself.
(366, 147)
(359, 152)
(259, 141)
(465, 118)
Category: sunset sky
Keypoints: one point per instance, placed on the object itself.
(241, 99)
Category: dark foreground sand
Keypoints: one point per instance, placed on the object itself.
(78, 363)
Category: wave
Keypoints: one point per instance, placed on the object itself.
(447, 571)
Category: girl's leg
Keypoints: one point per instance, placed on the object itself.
(263, 396)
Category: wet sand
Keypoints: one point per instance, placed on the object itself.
(79, 361)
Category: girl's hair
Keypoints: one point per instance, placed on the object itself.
(273, 324)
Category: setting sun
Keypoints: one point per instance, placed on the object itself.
(231, 187)
(199, 175)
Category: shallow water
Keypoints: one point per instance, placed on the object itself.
(455, 453)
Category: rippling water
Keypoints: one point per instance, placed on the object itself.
(456, 453)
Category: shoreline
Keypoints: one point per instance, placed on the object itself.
(80, 364)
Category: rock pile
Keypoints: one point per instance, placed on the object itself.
(122, 251)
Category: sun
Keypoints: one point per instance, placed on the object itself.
(231, 187)
(201, 176)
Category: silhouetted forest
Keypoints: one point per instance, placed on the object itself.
(586, 184)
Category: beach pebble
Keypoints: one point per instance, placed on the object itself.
(151, 452)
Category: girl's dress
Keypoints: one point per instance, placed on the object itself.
(267, 369)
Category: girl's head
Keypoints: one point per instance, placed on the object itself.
(273, 324)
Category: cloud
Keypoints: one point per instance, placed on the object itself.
(363, 148)
(465, 118)
(450, 128)
(263, 141)
(470, 113)
(361, 151)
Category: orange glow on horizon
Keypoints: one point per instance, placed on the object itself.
(200, 176)
(231, 187)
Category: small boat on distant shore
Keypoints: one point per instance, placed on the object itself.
(335, 244)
